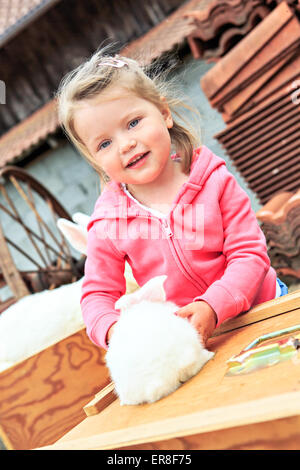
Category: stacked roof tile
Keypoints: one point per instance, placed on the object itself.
(280, 221)
(255, 88)
(218, 24)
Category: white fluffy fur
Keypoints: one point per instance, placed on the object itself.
(39, 320)
(152, 351)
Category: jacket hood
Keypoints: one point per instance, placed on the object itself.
(113, 202)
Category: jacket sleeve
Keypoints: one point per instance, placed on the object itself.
(245, 251)
(104, 283)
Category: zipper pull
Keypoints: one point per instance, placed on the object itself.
(167, 229)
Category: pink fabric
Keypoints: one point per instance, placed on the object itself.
(210, 246)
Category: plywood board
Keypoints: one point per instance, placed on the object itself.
(42, 397)
(210, 401)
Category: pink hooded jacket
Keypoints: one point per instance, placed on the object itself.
(209, 245)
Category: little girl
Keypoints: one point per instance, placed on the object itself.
(182, 215)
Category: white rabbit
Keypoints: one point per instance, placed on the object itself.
(152, 351)
(40, 320)
(37, 321)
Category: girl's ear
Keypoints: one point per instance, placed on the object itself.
(165, 111)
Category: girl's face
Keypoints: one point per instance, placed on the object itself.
(127, 135)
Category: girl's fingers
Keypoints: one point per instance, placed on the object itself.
(198, 326)
(183, 312)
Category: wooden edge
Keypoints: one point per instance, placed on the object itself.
(240, 414)
(102, 399)
(260, 312)
(5, 439)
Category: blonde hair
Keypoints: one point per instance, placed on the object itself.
(95, 75)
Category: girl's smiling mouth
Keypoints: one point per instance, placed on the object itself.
(137, 161)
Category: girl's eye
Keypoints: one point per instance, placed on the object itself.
(133, 123)
(104, 144)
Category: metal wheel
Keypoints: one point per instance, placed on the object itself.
(28, 214)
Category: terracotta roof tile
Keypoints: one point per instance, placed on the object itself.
(13, 13)
(28, 133)
(163, 37)
(280, 222)
(252, 86)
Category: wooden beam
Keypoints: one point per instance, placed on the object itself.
(102, 399)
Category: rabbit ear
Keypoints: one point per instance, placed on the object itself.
(81, 219)
(153, 291)
(75, 234)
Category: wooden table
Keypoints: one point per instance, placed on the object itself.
(259, 410)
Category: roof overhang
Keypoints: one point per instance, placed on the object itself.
(21, 139)
(17, 23)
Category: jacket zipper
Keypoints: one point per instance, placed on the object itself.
(167, 228)
(180, 264)
(176, 255)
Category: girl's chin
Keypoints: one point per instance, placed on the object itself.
(142, 181)
(146, 175)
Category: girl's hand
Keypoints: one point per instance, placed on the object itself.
(201, 316)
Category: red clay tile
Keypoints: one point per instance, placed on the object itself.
(280, 222)
(211, 19)
(13, 11)
(28, 133)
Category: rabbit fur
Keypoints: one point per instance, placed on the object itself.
(152, 351)
(40, 320)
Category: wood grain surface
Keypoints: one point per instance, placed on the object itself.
(281, 434)
(261, 312)
(42, 398)
(209, 403)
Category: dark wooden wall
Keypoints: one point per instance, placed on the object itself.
(33, 63)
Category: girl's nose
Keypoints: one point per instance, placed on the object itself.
(127, 145)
